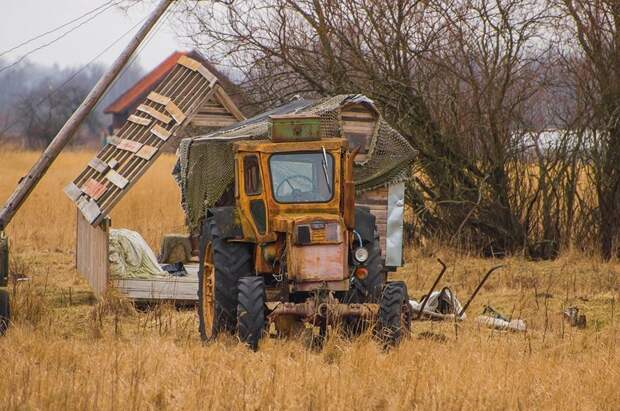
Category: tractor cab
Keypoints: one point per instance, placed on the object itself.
(280, 181)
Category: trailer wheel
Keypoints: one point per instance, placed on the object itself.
(222, 263)
(251, 310)
(394, 319)
(5, 311)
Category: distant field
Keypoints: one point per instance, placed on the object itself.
(68, 351)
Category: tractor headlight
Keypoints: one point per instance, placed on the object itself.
(360, 255)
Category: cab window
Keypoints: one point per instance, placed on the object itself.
(252, 178)
(302, 177)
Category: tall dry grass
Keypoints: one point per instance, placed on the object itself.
(47, 219)
(68, 351)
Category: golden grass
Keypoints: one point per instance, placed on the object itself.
(67, 351)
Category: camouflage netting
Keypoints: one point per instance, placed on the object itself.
(205, 165)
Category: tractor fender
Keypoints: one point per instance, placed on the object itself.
(226, 221)
(365, 223)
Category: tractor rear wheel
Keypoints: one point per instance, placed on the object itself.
(222, 264)
(5, 311)
(251, 310)
(394, 319)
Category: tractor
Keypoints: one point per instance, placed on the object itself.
(290, 250)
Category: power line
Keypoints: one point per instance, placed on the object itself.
(56, 39)
(145, 43)
(74, 75)
(55, 29)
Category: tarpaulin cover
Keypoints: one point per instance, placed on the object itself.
(205, 166)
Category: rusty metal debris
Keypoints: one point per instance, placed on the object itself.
(444, 305)
(574, 318)
(424, 300)
(327, 309)
(438, 306)
(484, 280)
(499, 324)
(492, 318)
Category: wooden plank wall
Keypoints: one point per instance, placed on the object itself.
(377, 201)
(358, 126)
(169, 288)
(216, 112)
(91, 253)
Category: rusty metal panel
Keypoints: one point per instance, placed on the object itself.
(94, 188)
(295, 128)
(322, 262)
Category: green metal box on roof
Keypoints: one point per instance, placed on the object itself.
(296, 127)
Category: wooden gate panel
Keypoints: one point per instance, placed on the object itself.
(91, 253)
(140, 140)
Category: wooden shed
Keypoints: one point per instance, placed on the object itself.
(184, 92)
(219, 110)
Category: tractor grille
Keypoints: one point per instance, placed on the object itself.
(317, 232)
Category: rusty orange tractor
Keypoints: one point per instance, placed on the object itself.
(292, 249)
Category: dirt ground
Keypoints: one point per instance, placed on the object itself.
(66, 350)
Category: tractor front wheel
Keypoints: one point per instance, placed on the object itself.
(222, 263)
(394, 319)
(251, 310)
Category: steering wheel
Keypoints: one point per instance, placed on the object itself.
(295, 192)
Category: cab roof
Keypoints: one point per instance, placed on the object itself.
(267, 146)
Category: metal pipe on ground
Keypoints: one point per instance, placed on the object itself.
(484, 280)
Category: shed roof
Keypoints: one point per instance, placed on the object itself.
(130, 96)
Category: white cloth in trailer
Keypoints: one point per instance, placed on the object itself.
(131, 257)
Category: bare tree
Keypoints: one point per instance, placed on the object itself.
(454, 77)
(37, 100)
(43, 110)
(594, 60)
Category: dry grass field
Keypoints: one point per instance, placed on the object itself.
(68, 351)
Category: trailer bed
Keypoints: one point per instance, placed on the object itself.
(180, 289)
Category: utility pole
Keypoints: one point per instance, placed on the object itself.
(30, 180)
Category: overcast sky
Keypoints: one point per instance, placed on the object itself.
(21, 20)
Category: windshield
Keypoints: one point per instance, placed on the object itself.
(302, 177)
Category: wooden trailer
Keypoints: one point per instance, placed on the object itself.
(188, 93)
